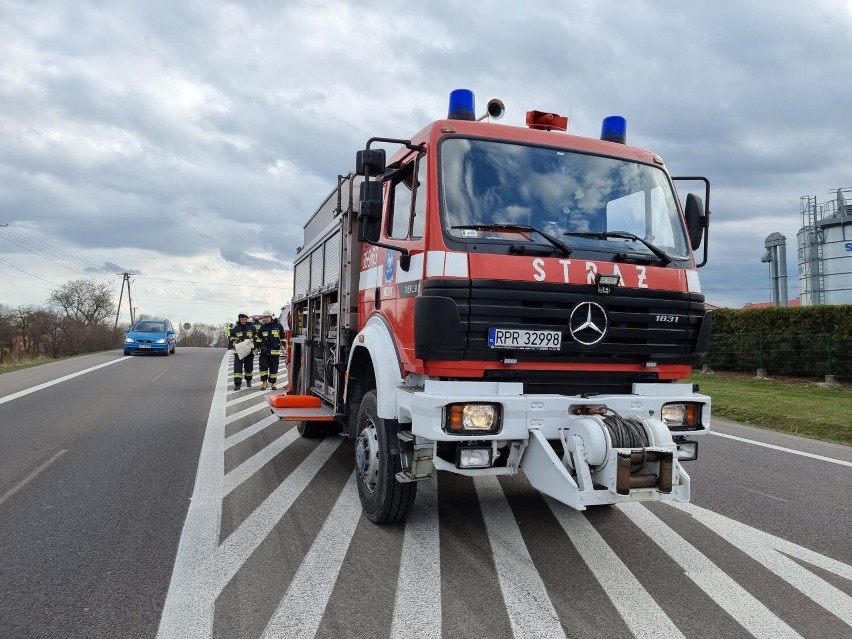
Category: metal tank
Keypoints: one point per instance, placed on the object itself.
(825, 249)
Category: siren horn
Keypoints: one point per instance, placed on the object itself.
(495, 110)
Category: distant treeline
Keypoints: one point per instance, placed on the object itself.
(79, 317)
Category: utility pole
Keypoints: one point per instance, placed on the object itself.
(125, 280)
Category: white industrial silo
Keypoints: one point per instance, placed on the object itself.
(825, 250)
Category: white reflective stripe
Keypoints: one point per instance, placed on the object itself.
(414, 272)
(456, 265)
(369, 279)
(693, 282)
(435, 263)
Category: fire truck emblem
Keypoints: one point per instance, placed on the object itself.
(390, 262)
(588, 323)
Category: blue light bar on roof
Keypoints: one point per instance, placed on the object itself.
(461, 105)
(614, 129)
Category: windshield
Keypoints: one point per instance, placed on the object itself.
(150, 327)
(486, 184)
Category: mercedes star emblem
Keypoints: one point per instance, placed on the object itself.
(588, 323)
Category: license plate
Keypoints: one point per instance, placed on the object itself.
(520, 339)
(144, 346)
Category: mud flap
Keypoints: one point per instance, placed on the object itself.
(547, 474)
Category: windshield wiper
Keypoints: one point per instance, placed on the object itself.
(665, 258)
(562, 246)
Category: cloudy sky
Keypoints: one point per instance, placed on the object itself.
(187, 141)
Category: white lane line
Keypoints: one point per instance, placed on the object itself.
(301, 609)
(417, 608)
(254, 463)
(244, 413)
(245, 433)
(158, 376)
(9, 398)
(528, 605)
(782, 449)
(241, 543)
(642, 614)
(189, 606)
(721, 588)
(767, 549)
(243, 397)
(26, 480)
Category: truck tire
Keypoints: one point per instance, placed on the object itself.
(310, 430)
(383, 499)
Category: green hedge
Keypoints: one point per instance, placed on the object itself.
(835, 320)
(811, 341)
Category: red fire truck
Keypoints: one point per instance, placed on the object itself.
(501, 299)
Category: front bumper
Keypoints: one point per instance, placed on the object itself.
(136, 348)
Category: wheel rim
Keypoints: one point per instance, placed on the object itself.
(367, 456)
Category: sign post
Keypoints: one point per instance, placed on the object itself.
(186, 327)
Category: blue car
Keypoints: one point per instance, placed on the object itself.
(150, 336)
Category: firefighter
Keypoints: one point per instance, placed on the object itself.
(228, 328)
(243, 331)
(269, 345)
(257, 322)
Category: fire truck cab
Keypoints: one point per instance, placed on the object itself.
(501, 299)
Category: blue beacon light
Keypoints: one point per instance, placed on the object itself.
(461, 105)
(614, 129)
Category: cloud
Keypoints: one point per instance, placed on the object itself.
(169, 136)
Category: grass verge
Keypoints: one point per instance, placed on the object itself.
(790, 406)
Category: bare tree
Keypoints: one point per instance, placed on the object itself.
(86, 301)
(8, 329)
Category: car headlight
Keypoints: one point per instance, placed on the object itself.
(680, 416)
(160, 341)
(473, 418)
(129, 340)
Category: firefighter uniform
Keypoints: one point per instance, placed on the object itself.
(242, 330)
(270, 344)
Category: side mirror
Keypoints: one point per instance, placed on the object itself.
(695, 220)
(372, 160)
(370, 212)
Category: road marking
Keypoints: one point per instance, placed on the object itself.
(301, 609)
(770, 551)
(718, 585)
(642, 614)
(26, 480)
(189, 607)
(785, 450)
(241, 543)
(417, 607)
(257, 461)
(159, 376)
(9, 398)
(244, 413)
(245, 433)
(528, 605)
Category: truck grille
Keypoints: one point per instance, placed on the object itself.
(644, 325)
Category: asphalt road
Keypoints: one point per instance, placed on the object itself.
(147, 498)
(87, 544)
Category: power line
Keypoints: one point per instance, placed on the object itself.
(27, 272)
(33, 247)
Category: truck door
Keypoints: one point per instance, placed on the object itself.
(404, 226)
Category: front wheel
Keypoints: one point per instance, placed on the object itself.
(383, 498)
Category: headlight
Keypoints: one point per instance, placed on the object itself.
(473, 418)
(129, 340)
(161, 341)
(681, 416)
